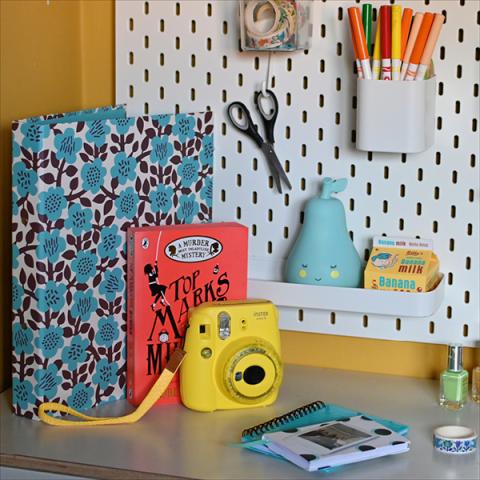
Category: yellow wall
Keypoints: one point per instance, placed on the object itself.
(61, 57)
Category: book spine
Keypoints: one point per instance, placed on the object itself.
(131, 317)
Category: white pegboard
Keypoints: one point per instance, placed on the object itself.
(184, 56)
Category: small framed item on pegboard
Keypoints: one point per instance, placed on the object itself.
(275, 25)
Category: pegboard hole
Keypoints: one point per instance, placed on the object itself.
(285, 232)
(131, 24)
(131, 91)
(323, 30)
(193, 26)
(146, 41)
(224, 62)
(209, 9)
(223, 195)
(465, 330)
(333, 318)
(338, 84)
(369, 188)
(436, 193)
(385, 206)
(322, 66)
(177, 9)
(459, 71)
(304, 150)
(453, 211)
(287, 132)
(270, 215)
(146, 8)
(320, 134)
(286, 200)
(177, 76)
(146, 75)
(255, 164)
(223, 162)
(287, 166)
(419, 209)
(401, 224)
(209, 78)
(192, 94)
(471, 195)
(302, 217)
(225, 28)
(386, 172)
(224, 128)
(469, 229)
(402, 190)
(304, 116)
(456, 141)
(161, 25)
(303, 184)
(239, 213)
(398, 324)
(353, 136)
(468, 263)
(336, 152)
(454, 176)
(366, 254)
(239, 180)
(440, 89)
(339, 49)
(161, 93)
(352, 170)
(354, 102)
(305, 83)
(321, 101)
(367, 222)
(435, 226)
(300, 315)
(209, 44)
(457, 107)
(431, 327)
(224, 96)
(145, 108)
(365, 321)
(269, 247)
(161, 59)
(288, 99)
(131, 58)
(438, 158)
(450, 278)
(254, 230)
(240, 80)
(337, 118)
(404, 158)
(439, 123)
(466, 296)
(352, 204)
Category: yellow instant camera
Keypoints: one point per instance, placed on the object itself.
(233, 356)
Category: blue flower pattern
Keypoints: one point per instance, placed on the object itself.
(85, 266)
(67, 145)
(105, 373)
(107, 331)
(67, 205)
(206, 155)
(124, 168)
(24, 179)
(84, 304)
(52, 203)
(22, 339)
(126, 203)
(79, 219)
(207, 192)
(75, 353)
(162, 150)
(50, 339)
(161, 199)
(93, 175)
(48, 381)
(188, 170)
(50, 245)
(52, 297)
(112, 284)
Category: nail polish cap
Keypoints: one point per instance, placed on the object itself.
(455, 361)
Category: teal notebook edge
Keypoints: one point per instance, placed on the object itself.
(316, 412)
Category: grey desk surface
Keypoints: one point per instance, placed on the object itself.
(173, 441)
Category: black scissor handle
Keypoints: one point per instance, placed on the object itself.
(268, 118)
(248, 127)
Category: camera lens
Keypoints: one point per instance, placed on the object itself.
(253, 375)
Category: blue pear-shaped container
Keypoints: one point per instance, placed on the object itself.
(323, 253)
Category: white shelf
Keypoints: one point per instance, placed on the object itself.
(359, 300)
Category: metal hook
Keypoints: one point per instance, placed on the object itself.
(265, 83)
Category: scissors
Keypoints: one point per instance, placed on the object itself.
(251, 130)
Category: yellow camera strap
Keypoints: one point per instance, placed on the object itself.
(150, 399)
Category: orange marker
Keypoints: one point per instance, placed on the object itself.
(357, 60)
(430, 45)
(419, 46)
(412, 38)
(406, 22)
(360, 41)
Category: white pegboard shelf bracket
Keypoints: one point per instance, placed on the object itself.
(359, 300)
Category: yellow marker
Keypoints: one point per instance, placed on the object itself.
(377, 60)
(396, 41)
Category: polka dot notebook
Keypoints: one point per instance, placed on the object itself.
(339, 442)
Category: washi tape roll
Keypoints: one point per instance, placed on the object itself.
(455, 439)
(281, 14)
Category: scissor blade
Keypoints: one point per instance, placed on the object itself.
(275, 166)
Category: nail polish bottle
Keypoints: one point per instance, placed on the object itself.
(454, 380)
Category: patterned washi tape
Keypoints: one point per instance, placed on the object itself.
(281, 35)
(455, 439)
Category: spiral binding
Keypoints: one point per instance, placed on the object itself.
(283, 419)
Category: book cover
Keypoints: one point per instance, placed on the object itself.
(171, 269)
(79, 181)
(331, 444)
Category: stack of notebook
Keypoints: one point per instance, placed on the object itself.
(321, 436)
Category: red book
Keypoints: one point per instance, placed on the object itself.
(170, 269)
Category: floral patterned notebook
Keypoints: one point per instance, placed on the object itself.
(79, 181)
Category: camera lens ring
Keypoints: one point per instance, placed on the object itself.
(257, 354)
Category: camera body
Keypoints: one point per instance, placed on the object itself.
(233, 356)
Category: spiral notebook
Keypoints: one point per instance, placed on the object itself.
(310, 414)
